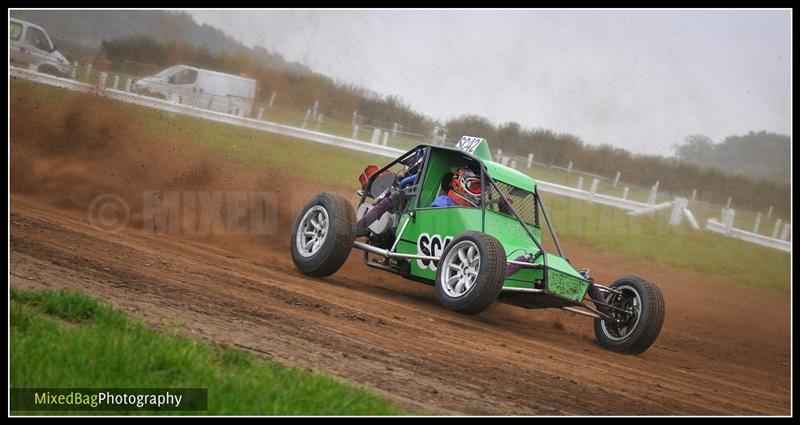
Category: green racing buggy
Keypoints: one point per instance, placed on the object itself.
(465, 251)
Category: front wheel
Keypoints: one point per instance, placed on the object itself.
(640, 314)
(471, 272)
(323, 235)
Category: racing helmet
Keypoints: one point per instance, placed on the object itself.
(466, 184)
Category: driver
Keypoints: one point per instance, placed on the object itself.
(463, 189)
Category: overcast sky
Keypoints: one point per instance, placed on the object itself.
(640, 80)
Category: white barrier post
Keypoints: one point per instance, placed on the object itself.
(305, 119)
(625, 192)
(394, 130)
(385, 138)
(758, 222)
(376, 134)
(355, 114)
(74, 70)
(569, 167)
(593, 189)
(694, 194)
(88, 70)
(128, 84)
(678, 206)
(580, 183)
(315, 110)
(616, 179)
(260, 113)
(776, 229)
(499, 153)
(730, 199)
(530, 160)
(769, 213)
(320, 117)
(690, 218)
(272, 99)
(514, 164)
(101, 82)
(653, 193)
(355, 131)
(785, 232)
(116, 81)
(728, 216)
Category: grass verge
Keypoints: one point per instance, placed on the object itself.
(64, 339)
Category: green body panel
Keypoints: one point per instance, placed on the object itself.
(565, 285)
(430, 229)
(510, 176)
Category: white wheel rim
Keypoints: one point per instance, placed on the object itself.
(312, 231)
(460, 269)
(616, 332)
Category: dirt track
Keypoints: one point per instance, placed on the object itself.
(723, 349)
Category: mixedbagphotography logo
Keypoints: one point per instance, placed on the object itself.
(109, 399)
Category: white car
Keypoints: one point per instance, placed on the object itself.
(31, 48)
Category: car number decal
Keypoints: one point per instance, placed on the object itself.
(431, 245)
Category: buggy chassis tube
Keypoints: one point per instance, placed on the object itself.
(388, 253)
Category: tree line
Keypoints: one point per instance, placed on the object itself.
(677, 175)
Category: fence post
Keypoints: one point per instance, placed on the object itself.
(116, 81)
(678, 205)
(260, 113)
(569, 167)
(315, 110)
(385, 138)
(305, 119)
(694, 194)
(499, 153)
(593, 189)
(74, 70)
(272, 99)
(616, 179)
(101, 82)
(728, 215)
(355, 131)
(785, 232)
(730, 199)
(769, 213)
(128, 84)
(88, 70)
(320, 117)
(376, 134)
(355, 114)
(394, 130)
(758, 222)
(530, 160)
(653, 193)
(580, 183)
(776, 229)
(625, 192)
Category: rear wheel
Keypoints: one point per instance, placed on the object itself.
(323, 235)
(640, 323)
(471, 272)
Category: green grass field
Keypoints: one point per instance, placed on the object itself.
(600, 227)
(63, 339)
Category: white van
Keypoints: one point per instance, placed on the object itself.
(202, 88)
(31, 48)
